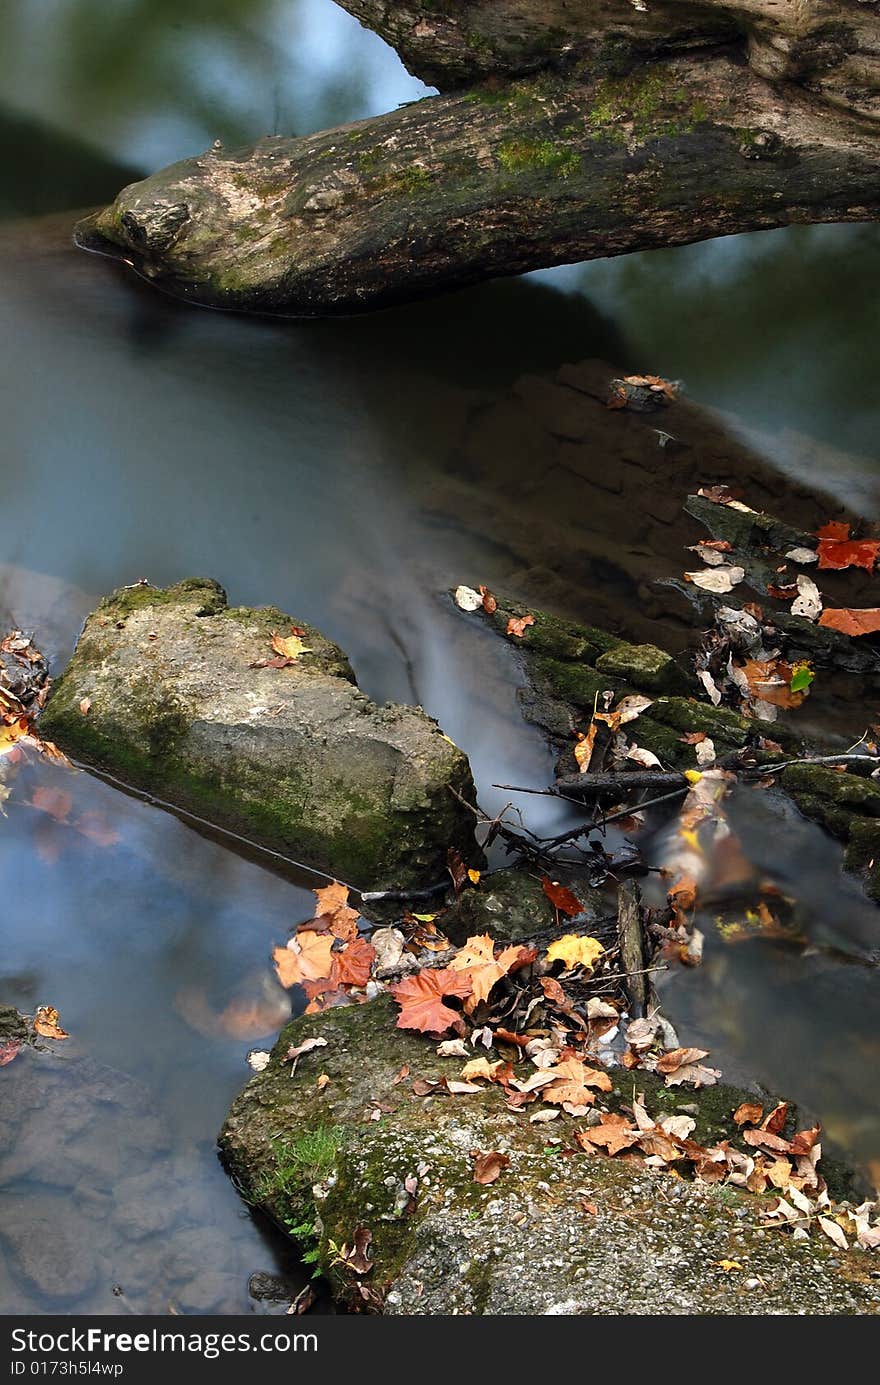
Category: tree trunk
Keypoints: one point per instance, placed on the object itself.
(497, 180)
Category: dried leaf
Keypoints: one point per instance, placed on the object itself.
(85, 705)
(355, 963)
(47, 1023)
(307, 957)
(748, 1113)
(488, 1167)
(517, 625)
(481, 1067)
(290, 646)
(467, 599)
(296, 1051)
(332, 903)
(834, 1233)
(717, 579)
(489, 602)
(613, 1134)
(12, 1047)
(646, 758)
(420, 998)
(809, 599)
(802, 555)
(572, 1081)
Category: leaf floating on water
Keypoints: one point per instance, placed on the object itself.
(802, 555)
(517, 625)
(47, 1023)
(9, 1050)
(852, 621)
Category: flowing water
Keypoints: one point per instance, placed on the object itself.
(319, 466)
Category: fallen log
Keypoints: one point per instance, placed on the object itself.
(497, 180)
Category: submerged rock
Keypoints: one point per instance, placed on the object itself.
(559, 1232)
(165, 691)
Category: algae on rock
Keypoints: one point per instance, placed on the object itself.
(296, 758)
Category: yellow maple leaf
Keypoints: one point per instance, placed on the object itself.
(575, 950)
(481, 1067)
(728, 1265)
(290, 647)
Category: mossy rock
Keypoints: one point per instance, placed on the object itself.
(327, 1160)
(12, 1026)
(295, 758)
(511, 905)
(646, 667)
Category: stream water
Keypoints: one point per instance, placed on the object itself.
(317, 466)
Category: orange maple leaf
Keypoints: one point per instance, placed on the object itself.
(420, 998)
(307, 957)
(852, 621)
(517, 625)
(355, 962)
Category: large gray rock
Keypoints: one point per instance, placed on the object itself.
(296, 758)
(317, 1160)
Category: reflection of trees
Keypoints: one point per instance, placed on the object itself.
(773, 326)
(193, 70)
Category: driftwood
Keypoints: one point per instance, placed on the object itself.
(639, 128)
(631, 939)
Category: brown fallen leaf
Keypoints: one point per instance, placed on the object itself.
(748, 1113)
(488, 1167)
(613, 1134)
(47, 1023)
(490, 604)
(9, 1050)
(517, 625)
(572, 1083)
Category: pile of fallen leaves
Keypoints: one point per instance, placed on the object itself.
(523, 1024)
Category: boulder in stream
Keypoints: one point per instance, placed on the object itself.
(178, 694)
(377, 1180)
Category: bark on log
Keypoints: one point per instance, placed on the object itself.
(543, 170)
(830, 46)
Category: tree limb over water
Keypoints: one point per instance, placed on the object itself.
(627, 138)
